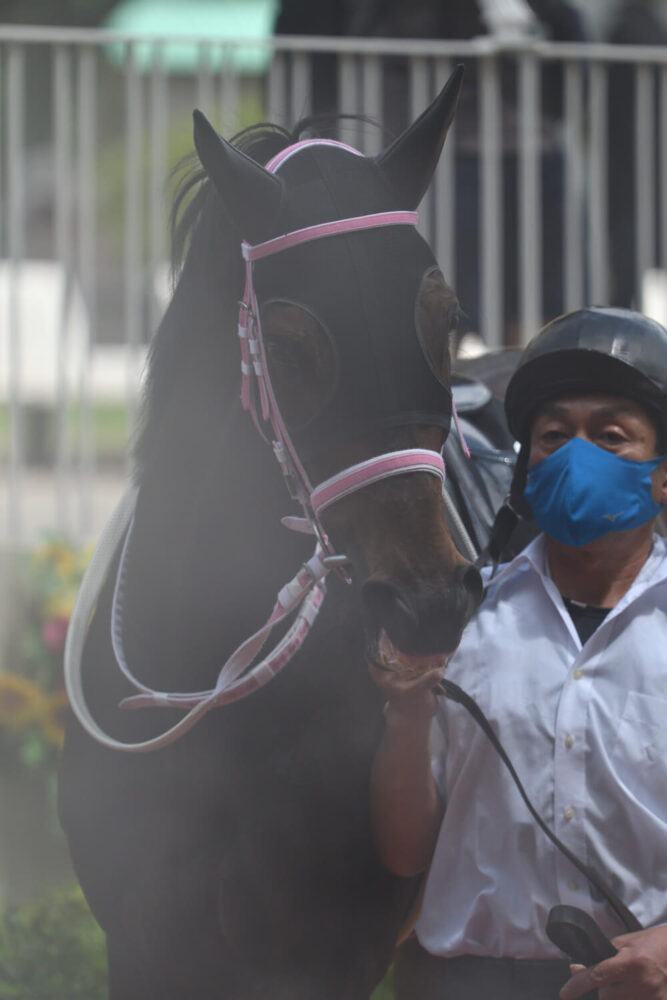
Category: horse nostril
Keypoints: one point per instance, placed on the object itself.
(470, 579)
(427, 619)
(384, 603)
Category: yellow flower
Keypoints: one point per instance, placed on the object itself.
(85, 556)
(53, 718)
(66, 563)
(21, 701)
(51, 552)
(60, 604)
(59, 555)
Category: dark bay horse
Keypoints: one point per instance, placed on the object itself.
(237, 862)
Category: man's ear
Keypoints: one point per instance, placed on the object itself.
(659, 480)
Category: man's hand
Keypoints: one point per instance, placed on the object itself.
(638, 972)
(408, 697)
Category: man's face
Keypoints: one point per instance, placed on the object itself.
(614, 423)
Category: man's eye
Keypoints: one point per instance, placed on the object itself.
(612, 437)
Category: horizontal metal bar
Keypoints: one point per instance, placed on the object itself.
(484, 46)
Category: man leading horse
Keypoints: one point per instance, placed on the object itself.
(567, 656)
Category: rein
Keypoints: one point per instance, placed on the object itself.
(305, 592)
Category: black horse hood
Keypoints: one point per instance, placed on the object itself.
(383, 377)
(378, 272)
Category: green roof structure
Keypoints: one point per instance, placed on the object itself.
(213, 21)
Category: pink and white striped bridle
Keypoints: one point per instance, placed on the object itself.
(305, 592)
(257, 392)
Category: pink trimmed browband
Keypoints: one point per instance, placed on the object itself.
(293, 239)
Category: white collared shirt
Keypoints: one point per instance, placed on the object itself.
(586, 729)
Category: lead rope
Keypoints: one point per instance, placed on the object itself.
(230, 686)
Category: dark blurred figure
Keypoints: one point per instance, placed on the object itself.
(638, 22)
(317, 17)
(556, 20)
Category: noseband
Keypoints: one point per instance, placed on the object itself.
(305, 592)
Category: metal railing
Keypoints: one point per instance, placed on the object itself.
(93, 121)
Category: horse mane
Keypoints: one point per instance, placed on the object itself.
(194, 355)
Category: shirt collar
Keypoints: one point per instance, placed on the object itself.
(534, 555)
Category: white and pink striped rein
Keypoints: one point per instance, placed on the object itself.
(238, 678)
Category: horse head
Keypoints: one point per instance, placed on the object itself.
(354, 320)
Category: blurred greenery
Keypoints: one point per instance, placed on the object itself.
(42, 589)
(385, 990)
(52, 949)
(110, 431)
(177, 145)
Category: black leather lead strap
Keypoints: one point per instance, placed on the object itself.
(455, 693)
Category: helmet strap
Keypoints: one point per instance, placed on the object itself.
(514, 509)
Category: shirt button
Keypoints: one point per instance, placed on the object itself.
(569, 740)
(573, 884)
(577, 674)
(569, 813)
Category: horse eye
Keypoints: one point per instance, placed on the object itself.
(284, 351)
(452, 319)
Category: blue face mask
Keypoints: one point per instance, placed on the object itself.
(581, 492)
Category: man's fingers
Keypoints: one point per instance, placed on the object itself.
(408, 697)
(584, 980)
(393, 682)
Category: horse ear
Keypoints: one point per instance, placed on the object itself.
(250, 194)
(411, 159)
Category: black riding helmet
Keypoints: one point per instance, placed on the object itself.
(615, 351)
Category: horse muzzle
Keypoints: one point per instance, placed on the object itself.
(423, 622)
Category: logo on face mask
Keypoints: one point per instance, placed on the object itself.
(572, 490)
